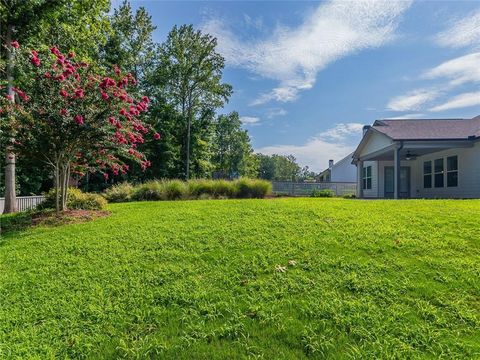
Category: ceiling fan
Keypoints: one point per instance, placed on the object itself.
(410, 156)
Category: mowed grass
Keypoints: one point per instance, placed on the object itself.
(197, 280)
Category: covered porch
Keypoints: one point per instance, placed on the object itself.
(397, 171)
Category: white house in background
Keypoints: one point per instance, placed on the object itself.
(428, 158)
(341, 171)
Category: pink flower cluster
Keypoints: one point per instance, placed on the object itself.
(34, 58)
(79, 119)
(67, 67)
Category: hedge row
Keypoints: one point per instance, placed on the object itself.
(192, 189)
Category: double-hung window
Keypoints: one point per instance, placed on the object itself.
(452, 171)
(427, 174)
(367, 178)
(439, 173)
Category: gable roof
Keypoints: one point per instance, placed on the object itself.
(429, 129)
(345, 159)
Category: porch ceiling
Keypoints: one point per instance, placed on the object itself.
(388, 156)
(415, 149)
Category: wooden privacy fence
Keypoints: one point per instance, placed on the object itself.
(24, 202)
(305, 189)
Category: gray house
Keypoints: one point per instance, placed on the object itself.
(431, 158)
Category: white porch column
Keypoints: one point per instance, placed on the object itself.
(396, 172)
(359, 179)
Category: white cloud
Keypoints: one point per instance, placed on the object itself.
(413, 100)
(459, 70)
(406, 116)
(452, 73)
(249, 120)
(463, 32)
(274, 112)
(459, 101)
(294, 56)
(335, 143)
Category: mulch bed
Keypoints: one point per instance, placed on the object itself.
(67, 217)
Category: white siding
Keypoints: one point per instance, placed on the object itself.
(373, 192)
(468, 174)
(344, 171)
(376, 141)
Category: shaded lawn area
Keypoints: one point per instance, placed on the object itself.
(197, 280)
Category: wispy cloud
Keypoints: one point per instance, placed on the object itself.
(413, 100)
(335, 143)
(274, 112)
(406, 116)
(451, 74)
(294, 56)
(462, 32)
(459, 70)
(250, 120)
(460, 101)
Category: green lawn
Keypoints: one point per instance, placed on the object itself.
(197, 280)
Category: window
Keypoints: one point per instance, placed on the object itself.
(452, 171)
(367, 178)
(427, 174)
(438, 173)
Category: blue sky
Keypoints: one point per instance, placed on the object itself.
(308, 75)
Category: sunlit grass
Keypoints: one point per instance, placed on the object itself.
(212, 280)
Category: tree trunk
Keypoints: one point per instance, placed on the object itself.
(188, 147)
(10, 195)
(66, 175)
(57, 193)
(63, 188)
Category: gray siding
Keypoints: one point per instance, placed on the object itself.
(468, 174)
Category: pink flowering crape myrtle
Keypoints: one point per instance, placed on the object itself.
(77, 120)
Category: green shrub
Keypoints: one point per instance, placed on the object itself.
(349, 196)
(252, 188)
(196, 188)
(174, 190)
(193, 189)
(322, 193)
(223, 188)
(76, 200)
(119, 193)
(151, 190)
(213, 188)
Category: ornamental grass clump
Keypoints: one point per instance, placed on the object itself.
(193, 189)
(199, 187)
(151, 190)
(174, 190)
(224, 189)
(253, 188)
(119, 193)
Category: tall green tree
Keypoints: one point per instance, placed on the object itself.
(130, 44)
(18, 20)
(232, 151)
(278, 167)
(189, 78)
(72, 25)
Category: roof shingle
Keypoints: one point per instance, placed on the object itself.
(429, 129)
